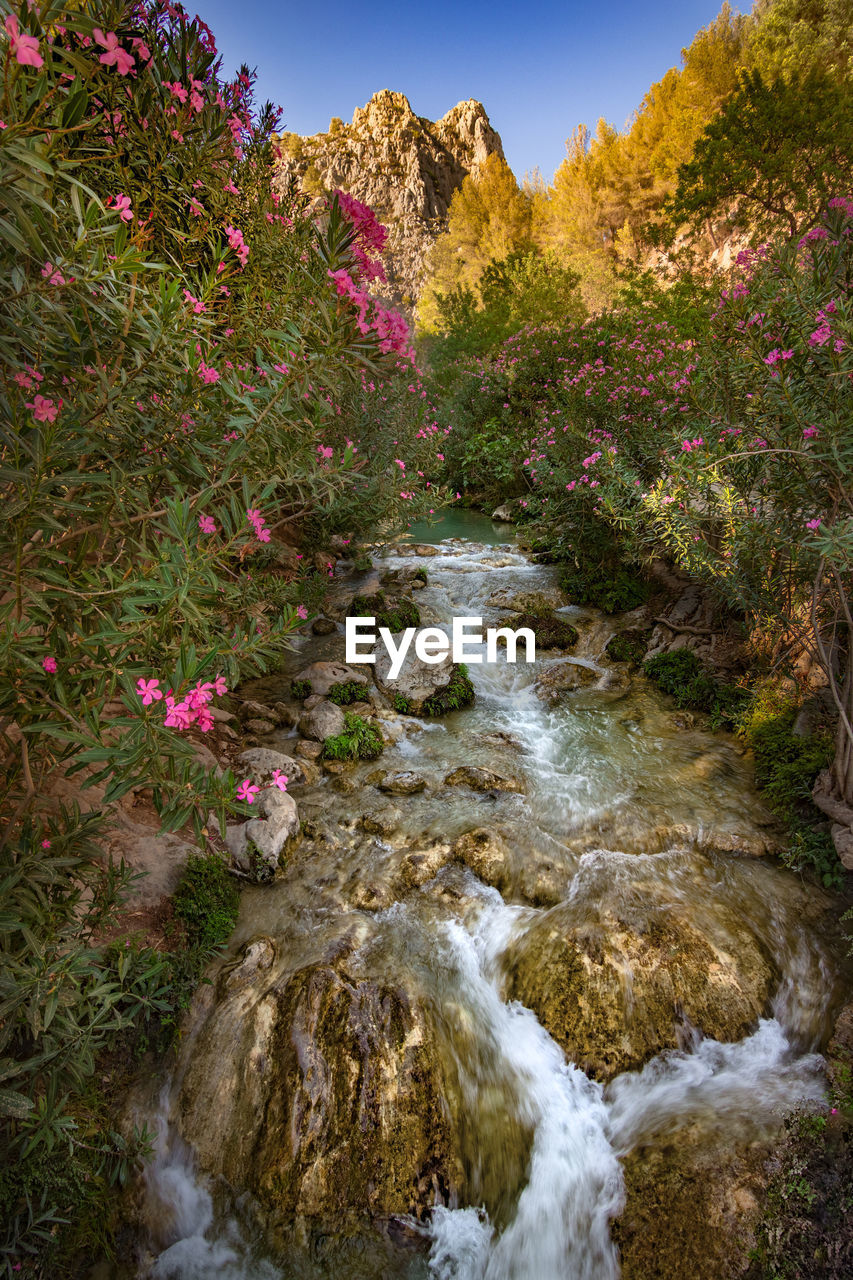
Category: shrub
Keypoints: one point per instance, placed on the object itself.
(628, 646)
(359, 741)
(681, 674)
(300, 689)
(346, 692)
(551, 632)
(206, 901)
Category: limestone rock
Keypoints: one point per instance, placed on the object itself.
(273, 832)
(326, 720)
(504, 514)
(309, 750)
(260, 763)
(402, 784)
(537, 602)
(404, 166)
(613, 983)
(322, 675)
(481, 780)
(417, 682)
(319, 1091)
(323, 626)
(383, 822)
(487, 856)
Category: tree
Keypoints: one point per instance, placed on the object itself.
(771, 159)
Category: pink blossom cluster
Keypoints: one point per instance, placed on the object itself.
(390, 327)
(370, 236)
(238, 244)
(247, 789)
(23, 48)
(256, 520)
(193, 707)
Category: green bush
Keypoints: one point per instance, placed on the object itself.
(346, 692)
(359, 741)
(206, 901)
(602, 584)
(300, 689)
(682, 675)
(628, 646)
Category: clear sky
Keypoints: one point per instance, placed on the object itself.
(539, 68)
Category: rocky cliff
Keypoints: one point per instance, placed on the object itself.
(406, 167)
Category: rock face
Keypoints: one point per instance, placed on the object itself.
(404, 166)
(319, 1091)
(615, 986)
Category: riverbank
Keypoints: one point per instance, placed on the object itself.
(359, 1059)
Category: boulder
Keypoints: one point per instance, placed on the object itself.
(273, 832)
(536, 602)
(420, 686)
(382, 822)
(325, 720)
(487, 856)
(505, 513)
(402, 784)
(323, 626)
(481, 780)
(564, 676)
(322, 675)
(618, 980)
(319, 1092)
(309, 750)
(260, 763)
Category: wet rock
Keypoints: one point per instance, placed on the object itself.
(259, 727)
(402, 784)
(323, 626)
(543, 884)
(500, 739)
(260, 763)
(335, 767)
(319, 1091)
(419, 686)
(310, 750)
(220, 714)
(257, 845)
(683, 720)
(255, 958)
(326, 720)
(487, 856)
(425, 550)
(562, 677)
(481, 779)
(322, 675)
(287, 713)
(505, 513)
(421, 865)
(692, 1206)
(251, 710)
(616, 982)
(537, 602)
(384, 822)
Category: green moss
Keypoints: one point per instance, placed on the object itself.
(206, 901)
(300, 689)
(551, 631)
(346, 692)
(628, 646)
(455, 695)
(682, 675)
(402, 704)
(394, 612)
(359, 741)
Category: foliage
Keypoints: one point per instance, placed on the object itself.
(457, 693)
(772, 159)
(604, 584)
(628, 646)
(181, 378)
(394, 612)
(681, 674)
(300, 689)
(358, 741)
(206, 901)
(346, 692)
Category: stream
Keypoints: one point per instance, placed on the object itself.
(613, 972)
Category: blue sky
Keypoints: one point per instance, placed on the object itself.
(538, 68)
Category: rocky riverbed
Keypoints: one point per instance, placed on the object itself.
(494, 990)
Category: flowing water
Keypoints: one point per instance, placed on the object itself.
(624, 814)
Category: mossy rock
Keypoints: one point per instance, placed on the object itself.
(394, 612)
(455, 695)
(358, 741)
(551, 631)
(571, 968)
(628, 646)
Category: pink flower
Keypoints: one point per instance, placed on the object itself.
(247, 791)
(302, 612)
(219, 686)
(207, 524)
(45, 844)
(44, 409)
(49, 664)
(323, 451)
(238, 244)
(115, 55)
(148, 691)
(810, 432)
(51, 275)
(279, 780)
(121, 204)
(206, 373)
(813, 524)
(24, 48)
